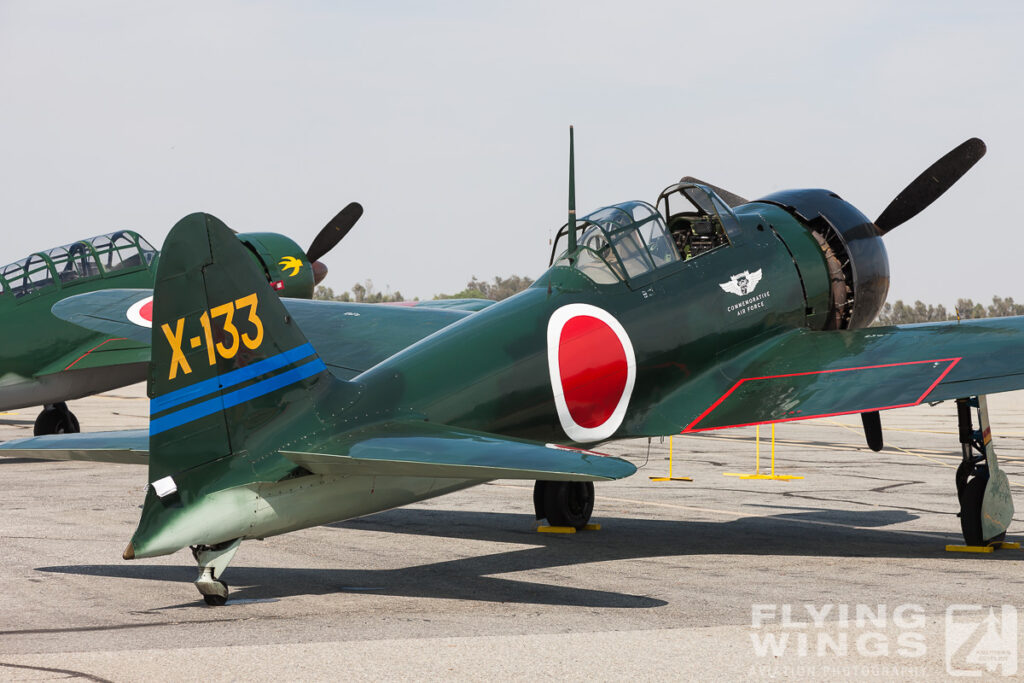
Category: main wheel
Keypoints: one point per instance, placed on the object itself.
(569, 503)
(970, 513)
(56, 419)
(217, 600)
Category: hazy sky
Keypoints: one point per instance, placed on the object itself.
(448, 122)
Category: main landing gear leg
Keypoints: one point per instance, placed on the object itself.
(564, 503)
(213, 560)
(986, 506)
(56, 418)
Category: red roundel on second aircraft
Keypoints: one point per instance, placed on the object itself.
(593, 368)
(146, 312)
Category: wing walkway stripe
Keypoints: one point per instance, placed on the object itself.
(228, 379)
(214, 405)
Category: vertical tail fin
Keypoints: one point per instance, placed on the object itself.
(226, 356)
(232, 379)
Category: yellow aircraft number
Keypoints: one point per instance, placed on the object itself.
(232, 339)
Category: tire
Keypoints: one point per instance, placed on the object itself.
(55, 421)
(970, 513)
(569, 503)
(75, 428)
(217, 600)
(538, 499)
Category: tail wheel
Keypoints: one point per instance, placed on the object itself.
(217, 599)
(970, 513)
(569, 503)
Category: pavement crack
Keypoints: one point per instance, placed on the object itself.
(69, 672)
(883, 489)
(112, 627)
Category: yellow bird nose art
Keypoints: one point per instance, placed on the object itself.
(290, 262)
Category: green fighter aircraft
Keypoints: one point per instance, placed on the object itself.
(703, 312)
(48, 361)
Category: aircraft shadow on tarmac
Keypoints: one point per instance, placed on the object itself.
(805, 532)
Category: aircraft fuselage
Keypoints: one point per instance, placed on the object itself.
(492, 371)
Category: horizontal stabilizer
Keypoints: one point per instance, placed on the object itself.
(422, 449)
(126, 447)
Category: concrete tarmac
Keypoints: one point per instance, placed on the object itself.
(840, 575)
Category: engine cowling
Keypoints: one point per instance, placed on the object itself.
(857, 261)
(283, 261)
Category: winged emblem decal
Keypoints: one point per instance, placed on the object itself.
(743, 283)
(290, 262)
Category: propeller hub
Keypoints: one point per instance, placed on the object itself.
(319, 272)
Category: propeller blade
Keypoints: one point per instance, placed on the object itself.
(729, 198)
(334, 231)
(930, 185)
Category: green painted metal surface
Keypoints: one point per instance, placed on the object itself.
(126, 446)
(350, 337)
(332, 410)
(45, 358)
(431, 450)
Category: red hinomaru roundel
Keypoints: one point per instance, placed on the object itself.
(593, 369)
(141, 312)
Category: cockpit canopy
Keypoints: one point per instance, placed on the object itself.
(623, 242)
(119, 251)
(619, 242)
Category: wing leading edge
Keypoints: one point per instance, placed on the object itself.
(125, 447)
(422, 449)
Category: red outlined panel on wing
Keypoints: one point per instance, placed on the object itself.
(823, 393)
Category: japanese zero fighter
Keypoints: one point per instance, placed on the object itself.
(49, 361)
(703, 311)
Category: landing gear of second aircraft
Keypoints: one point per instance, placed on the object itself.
(982, 488)
(564, 503)
(56, 418)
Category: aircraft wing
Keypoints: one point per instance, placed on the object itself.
(455, 304)
(801, 374)
(349, 337)
(112, 351)
(418, 449)
(126, 447)
(423, 449)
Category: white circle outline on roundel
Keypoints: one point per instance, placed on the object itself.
(556, 322)
(134, 313)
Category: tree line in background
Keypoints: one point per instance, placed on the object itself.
(900, 313)
(496, 290)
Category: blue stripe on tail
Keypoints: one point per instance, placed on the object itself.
(229, 379)
(261, 388)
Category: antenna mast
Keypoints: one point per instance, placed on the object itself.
(572, 196)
